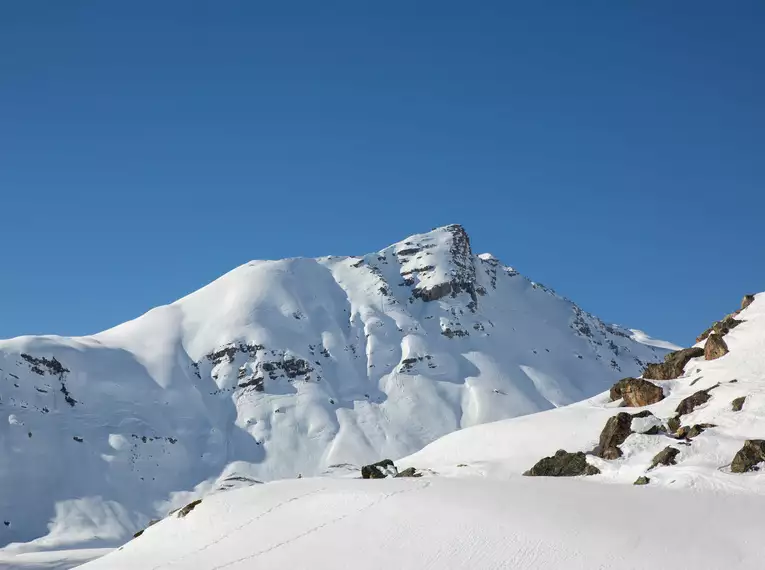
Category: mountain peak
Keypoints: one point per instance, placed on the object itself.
(287, 367)
(437, 263)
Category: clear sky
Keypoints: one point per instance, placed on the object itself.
(614, 151)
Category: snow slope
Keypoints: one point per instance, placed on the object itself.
(473, 508)
(442, 524)
(281, 368)
(508, 448)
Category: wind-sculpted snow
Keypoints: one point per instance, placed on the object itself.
(284, 368)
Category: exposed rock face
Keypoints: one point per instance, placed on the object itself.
(673, 424)
(642, 480)
(738, 404)
(747, 300)
(693, 401)
(409, 472)
(616, 430)
(563, 464)
(749, 456)
(140, 532)
(689, 432)
(188, 508)
(462, 275)
(665, 457)
(722, 327)
(673, 364)
(379, 470)
(715, 347)
(636, 392)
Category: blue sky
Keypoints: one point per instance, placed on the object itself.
(611, 150)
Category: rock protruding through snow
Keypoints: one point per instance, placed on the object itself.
(563, 464)
(636, 392)
(617, 429)
(715, 347)
(379, 470)
(673, 365)
(749, 456)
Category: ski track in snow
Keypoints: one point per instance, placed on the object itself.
(320, 526)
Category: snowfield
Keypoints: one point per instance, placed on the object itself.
(280, 369)
(473, 508)
(442, 523)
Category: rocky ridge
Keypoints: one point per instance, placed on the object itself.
(639, 392)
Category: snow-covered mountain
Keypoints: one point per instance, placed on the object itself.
(684, 431)
(285, 368)
(675, 481)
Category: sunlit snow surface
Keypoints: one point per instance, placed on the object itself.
(279, 369)
(474, 509)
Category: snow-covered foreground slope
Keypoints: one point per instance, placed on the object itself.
(281, 368)
(442, 523)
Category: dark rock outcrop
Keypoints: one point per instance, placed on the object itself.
(746, 301)
(463, 275)
(616, 430)
(563, 464)
(642, 480)
(636, 392)
(690, 403)
(643, 414)
(749, 456)
(738, 404)
(665, 457)
(673, 364)
(673, 424)
(722, 327)
(689, 432)
(379, 470)
(188, 508)
(409, 472)
(140, 532)
(715, 347)
(654, 430)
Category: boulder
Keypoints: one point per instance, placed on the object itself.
(616, 430)
(690, 403)
(689, 432)
(665, 457)
(738, 404)
(642, 480)
(636, 392)
(746, 301)
(643, 414)
(379, 470)
(563, 464)
(673, 424)
(749, 456)
(715, 347)
(673, 364)
(409, 472)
